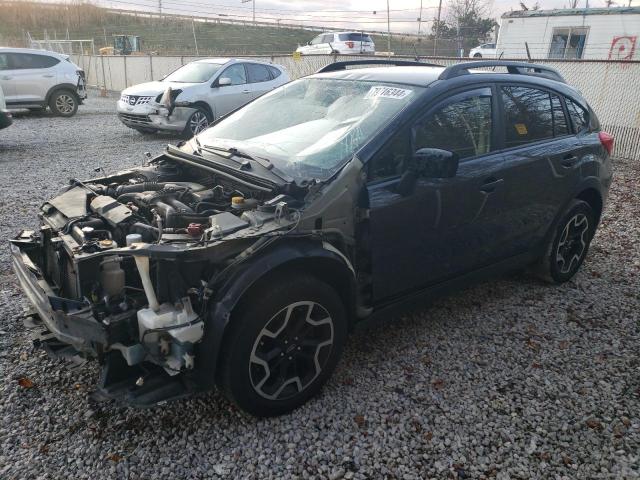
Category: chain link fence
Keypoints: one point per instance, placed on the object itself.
(609, 86)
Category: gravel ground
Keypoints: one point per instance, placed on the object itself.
(510, 379)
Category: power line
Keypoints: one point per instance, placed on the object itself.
(295, 20)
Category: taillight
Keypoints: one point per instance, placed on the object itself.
(350, 44)
(607, 141)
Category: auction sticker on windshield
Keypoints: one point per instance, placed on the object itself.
(387, 92)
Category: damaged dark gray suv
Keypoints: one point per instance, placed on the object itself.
(242, 258)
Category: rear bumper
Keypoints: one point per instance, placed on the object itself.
(69, 321)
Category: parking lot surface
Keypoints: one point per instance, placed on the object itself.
(510, 379)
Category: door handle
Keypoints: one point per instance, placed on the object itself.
(569, 161)
(246, 91)
(48, 75)
(490, 184)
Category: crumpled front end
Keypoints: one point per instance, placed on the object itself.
(125, 269)
(158, 112)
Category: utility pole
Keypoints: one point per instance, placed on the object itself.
(420, 18)
(254, 8)
(388, 32)
(435, 38)
(160, 8)
(195, 40)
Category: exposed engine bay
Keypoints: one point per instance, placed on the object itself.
(136, 255)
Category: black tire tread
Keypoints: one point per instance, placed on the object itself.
(267, 295)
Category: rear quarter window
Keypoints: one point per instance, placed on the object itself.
(275, 73)
(579, 116)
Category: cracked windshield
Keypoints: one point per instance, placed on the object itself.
(311, 127)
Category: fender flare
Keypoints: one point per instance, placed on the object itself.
(62, 86)
(590, 183)
(247, 276)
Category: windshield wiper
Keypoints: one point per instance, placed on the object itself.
(232, 151)
(235, 152)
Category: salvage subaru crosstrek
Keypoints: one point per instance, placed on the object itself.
(242, 257)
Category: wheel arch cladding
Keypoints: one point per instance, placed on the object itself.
(309, 257)
(594, 199)
(63, 86)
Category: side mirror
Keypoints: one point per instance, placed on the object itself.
(223, 82)
(427, 163)
(435, 163)
(309, 42)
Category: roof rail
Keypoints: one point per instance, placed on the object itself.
(335, 66)
(517, 68)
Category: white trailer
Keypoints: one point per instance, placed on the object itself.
(578, 33)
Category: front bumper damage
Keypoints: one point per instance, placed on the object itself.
(154, 116)
(66, 329)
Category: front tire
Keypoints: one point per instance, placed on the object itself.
(197, 122)
(569, 245)
(64, 103)
(284, 343)
(477, 55)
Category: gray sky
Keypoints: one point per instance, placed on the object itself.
(347, 14)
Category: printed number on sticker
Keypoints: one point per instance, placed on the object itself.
(387, 92)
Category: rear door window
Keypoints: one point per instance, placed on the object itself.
(258, 73)
(4, 61)
(354, 37)
(462, 125)
(528, 115)
(579, 116)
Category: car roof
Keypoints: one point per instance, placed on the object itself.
(224, 61)
(32, 50)
(420, 76)
(424, 76)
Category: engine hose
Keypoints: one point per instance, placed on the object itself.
(147, 232)
(137, 188)
(210, 206)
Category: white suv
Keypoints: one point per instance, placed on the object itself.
(196, 94)
(346, 43)
(486, 50)
(37, 79)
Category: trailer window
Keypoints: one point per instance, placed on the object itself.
(568, 42)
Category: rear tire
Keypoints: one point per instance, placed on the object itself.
(64, 103)
(284, 343)
(569, 244)
(477, 55)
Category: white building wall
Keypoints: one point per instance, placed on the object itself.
(538, 31)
